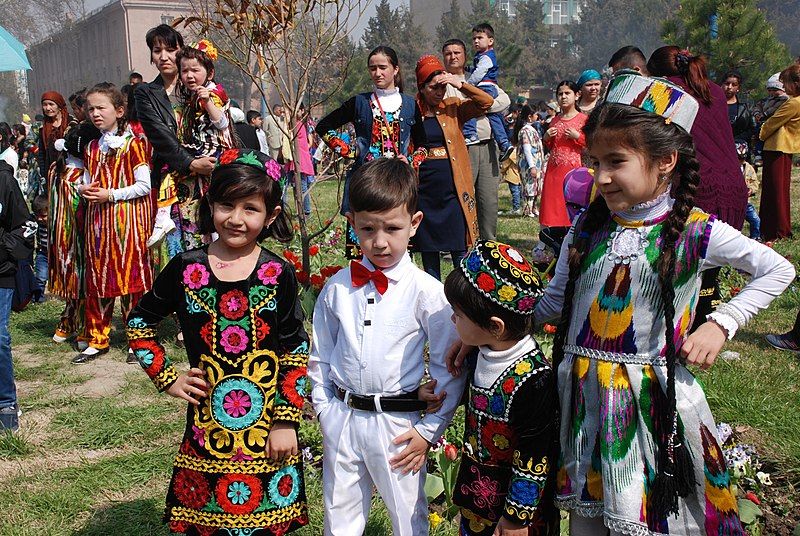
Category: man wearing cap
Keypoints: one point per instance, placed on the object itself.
(590, 83)
(483, 155)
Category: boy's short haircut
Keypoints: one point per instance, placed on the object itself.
(252, 114)
(383, 184)
(454, 41)
(479, 309)
(39, 205)
(484, 27)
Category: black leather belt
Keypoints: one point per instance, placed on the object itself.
(400, 403)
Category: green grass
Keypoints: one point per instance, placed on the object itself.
(92, 466)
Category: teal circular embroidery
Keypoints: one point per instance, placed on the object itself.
(284, 487)
(237, 403)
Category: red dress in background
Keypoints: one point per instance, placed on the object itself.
(565, 155)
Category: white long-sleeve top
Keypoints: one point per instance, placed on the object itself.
(372, 344)
(770, 272)
(141, 175)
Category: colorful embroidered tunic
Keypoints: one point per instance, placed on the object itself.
(118, 261)
(510, 442)
(613, 380)
(65, 223)
(249, 339)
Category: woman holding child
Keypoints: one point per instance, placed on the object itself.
(446, 190)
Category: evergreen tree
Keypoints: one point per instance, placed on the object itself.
(396, 28)
(539, 62)
(607, 25)
(453, 25)
(744, 40)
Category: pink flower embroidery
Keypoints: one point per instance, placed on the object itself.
(195, 276)
(269, 272)
(234, 339)
(526, 303)
(234, 304)
(480, 402)
(241, 456)
(199, 435)
(273, 170)
(236, 403)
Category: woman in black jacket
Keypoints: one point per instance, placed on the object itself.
(158, 108)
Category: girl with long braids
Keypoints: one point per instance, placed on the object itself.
(640, 453)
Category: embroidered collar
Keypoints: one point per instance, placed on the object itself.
(647, 213)
(396, 272)
(493, 363)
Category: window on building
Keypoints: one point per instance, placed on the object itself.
(559, 11)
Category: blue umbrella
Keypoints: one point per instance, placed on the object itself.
(12, 53)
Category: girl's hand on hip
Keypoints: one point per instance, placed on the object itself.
(702, 347)
(282, 441)
(190, 386)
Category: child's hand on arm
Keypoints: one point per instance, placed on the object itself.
(282, 441)
(702, 347)
(427, 395)
(414, 455)
(190, 386)
(455, 357)
(509, 528)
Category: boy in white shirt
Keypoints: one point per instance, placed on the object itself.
(371, 322)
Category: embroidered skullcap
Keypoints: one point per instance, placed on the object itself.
(503, 275)
(655, 95)
(426, 66)
(587, 75)
(255, 159)
(774, 82)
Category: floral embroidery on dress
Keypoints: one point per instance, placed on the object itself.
(195, 276)
(269, 272)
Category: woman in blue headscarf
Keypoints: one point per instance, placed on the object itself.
(590, 83)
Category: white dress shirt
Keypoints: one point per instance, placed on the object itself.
(372, 344)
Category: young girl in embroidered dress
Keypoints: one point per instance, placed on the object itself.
(119, 218)
(237, 470)
(505, 485)
(639, 448)
(205, 128)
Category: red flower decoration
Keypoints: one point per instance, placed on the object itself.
(313, 250)
(262, 329)
(317, 281)
(228, 156)
(485, 282)
(285, 485)
(289, 255)
(239, 494)
(191, 488)
(302, 277)
(295, 387)
(234, 304)
(497, 437)
(549, 328)
(207, 333)
(330, 270)
(508, 385)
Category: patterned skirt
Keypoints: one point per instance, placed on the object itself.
(65, 221)
(607, 465)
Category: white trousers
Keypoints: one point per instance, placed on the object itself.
(356, 447)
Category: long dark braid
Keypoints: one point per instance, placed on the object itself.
(648, 134)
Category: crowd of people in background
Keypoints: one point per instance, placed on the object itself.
(113, 186)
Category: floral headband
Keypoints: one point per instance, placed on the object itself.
(204, 45)
(255, 159)
(502, 274)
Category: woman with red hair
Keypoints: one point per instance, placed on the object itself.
(56, 121)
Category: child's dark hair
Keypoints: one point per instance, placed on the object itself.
(672, 61)
(237, 181)
(383, 184)
(7, 137)
(484, 28)
(78, 99)
(733, 73)
(117, 100)
(463, 296)
(191, 53)
(650, 135)
(524, 113)
(570, 84)
(165, 35)
(39, 205)
(392, 55)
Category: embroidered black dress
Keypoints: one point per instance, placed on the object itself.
(249, 339)
(510, 445)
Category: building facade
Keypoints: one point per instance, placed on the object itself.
(104, 46)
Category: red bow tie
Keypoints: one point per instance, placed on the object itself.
(360, 275)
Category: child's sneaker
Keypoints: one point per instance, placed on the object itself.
(9, 418)
(163, 225)
(783, 342)
(131, 359)
(507, 153)
(472, 140)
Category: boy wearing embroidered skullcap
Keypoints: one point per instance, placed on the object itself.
(505, 484)
(371, 322)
